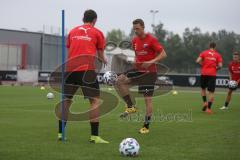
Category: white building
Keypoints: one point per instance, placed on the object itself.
(118, 60)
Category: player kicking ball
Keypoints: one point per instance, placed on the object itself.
(210, 61)
(234, 72)
(83, 43)
(148, 51)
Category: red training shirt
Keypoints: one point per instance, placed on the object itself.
(210, 60)
(83, 42)
(146, 49)
(234, 69)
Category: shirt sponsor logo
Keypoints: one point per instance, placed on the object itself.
(85, 38)
(211, 58)
(235, 69)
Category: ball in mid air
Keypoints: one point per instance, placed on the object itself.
(109, 77)
(232, 85)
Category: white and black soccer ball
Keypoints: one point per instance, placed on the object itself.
(50, 95)
(232, 85)
(129, 147)
(109, 77)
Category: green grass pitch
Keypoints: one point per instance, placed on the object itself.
(28, 129)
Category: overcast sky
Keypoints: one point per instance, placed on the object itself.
(209, 15)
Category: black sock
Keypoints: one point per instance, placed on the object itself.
(147, 121)
(60, 126)
(204, 98)
(128, 100)
(226, 104)
(209, 105)
(94, 128)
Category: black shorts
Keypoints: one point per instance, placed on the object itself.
(208, 82)
(144, 80)
(86, 80)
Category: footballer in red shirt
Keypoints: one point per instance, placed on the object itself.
(234, 74)
(148, 51)
(210, 61)
(83, 43)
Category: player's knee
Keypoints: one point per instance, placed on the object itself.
(95, 102)
(211, 98)
(121, 79)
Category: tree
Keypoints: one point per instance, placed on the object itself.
(116, 35)
(183, 49)
(160, 33)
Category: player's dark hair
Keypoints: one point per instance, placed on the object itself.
(139, 21)
(212, 45)
(89, 16)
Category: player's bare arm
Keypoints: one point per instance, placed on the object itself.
(199, 60)
(219, 66)
(158, 58)
(102, 57)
